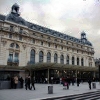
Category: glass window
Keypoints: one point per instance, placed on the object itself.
(11, 28)
(10, 36)
(20, 37)
(16, 57)
(62, 59)
(11, 56)
(33, 40)
(82, 62)
(67, 59)
(21, 30)
(48, 44)
(77, 61)
(72, 60)
(40, 56)
(32, 56)
(12, 45)
(48, 57)
(55, 58)
(41, 43)
(17, 46)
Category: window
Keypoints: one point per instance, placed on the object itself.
(20, 37)
(67, 59)
(82, 62)
(17, 46)
(49, 38)
(32, 56)
(41, 43)
(10, 36)
(12, 45)
(55, 46)
(62, 59)
(61, 47)
(33, 40)
(42, 36)
(72, 60)
(48, 57)
(11, 28)
(48, 44)
(10, 58)
(21, 30)
(55, 58)
(40, 56)
(61, 41)
(16, 57)
(13, 58)
(77, 61)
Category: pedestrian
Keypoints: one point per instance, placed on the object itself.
(21, 82)
(89, 82)
(27, 82)
(78, 81)
(12, 82)
(33, 83)
(15, 81)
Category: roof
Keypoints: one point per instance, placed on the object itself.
(40, 66)
(14, 16)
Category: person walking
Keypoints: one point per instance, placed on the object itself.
(78, 81)
(15, 81)
(89, 82)
(26, 82)
(21, 82)
(33, 83)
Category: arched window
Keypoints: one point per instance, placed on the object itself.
(12, 45)
(13, 58)
(72, 60)
(48, 57)
(32, 56)
(62, 59)
(67, 59)
(41, 56)
(55, 58)
(77, 61)
(82, 62)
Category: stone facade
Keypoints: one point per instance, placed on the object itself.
(18, 40)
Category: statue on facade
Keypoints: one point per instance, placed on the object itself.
(14, 15)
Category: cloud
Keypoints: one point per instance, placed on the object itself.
(67, 16)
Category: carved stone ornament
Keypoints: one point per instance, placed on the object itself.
(24, 46)
(4, 41)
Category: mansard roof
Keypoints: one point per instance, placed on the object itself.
(42, 29)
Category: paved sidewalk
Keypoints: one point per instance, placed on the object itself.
(42, 92)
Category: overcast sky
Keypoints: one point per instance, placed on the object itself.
(67, 16)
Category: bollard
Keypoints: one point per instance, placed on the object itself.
(50, 89)
(94, 85)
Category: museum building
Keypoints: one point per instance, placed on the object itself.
(27, 48)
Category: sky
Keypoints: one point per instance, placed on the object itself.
(67, 16)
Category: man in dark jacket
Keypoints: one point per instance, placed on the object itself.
(89, 81)
(32, 82)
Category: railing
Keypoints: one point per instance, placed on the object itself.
(30, 62)
(13, 60)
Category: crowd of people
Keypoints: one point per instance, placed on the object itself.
(29, 82)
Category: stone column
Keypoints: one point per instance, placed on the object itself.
(37, 58)
(79, 61)
(70, 60)
(75, 60)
